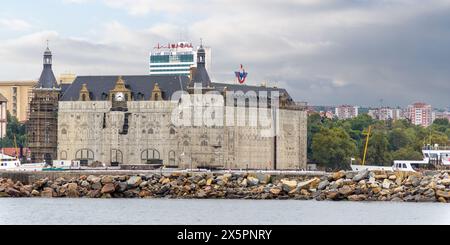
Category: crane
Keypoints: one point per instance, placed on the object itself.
(367, 145)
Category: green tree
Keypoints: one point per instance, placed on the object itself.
(407, 153)
(333, 148)
(14, 128)
(378, 150)
(399, 138)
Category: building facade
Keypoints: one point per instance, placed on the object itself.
(42, 126)
(18, 94)
(386, 113)
(129, 120)
(3, 116)
(346, 112)
(420, 114)
(175, 59)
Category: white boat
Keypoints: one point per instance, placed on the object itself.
(66, 165)
(9, 163)
(432, 156)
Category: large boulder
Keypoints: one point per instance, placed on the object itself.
(445, 182)
(122, 186)
(312, 183)
(346, 190)
(363, 174)
(108, 188)
(323, 185)
(386, 184)
(72, 190)
(93, 179)
(275, 191)
(444, 194)
(338, 175)
(252, 181)
(134, 181)
(107, 179)
(288, 185)
(96, 186)
(263, 178)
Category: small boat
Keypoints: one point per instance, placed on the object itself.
(9, 163)
(63, 165)
(434, 157)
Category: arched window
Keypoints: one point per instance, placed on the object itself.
(186, 143)
(144, 131)
(83, 97)
(150, 131)
(85, 156)
(172, 131)
(116, 157)
(63, 155)
(64, 131)
(172, 159)
(150, 156)
(204, 143)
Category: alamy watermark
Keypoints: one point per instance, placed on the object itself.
(258, 110)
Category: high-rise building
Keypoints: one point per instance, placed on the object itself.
(174, 59)
(346, 112)
(42, 126)
(420, 114)
(3, 116)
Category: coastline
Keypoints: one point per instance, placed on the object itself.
(430, 186)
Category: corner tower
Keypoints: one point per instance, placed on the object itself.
(42, 127)
(200, 79)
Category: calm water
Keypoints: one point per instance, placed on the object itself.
(209, 212)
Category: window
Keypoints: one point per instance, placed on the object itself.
(150, 131)
(63, 155)
(85, 154)
(172, 131)
(116, 157)
(63, 131)
(143, 131)
(172, 159)
(404, 165)
(148, 156)
(204, 143)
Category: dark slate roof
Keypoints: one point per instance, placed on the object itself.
(64, 88)
(47, 79)
(245, 88)
(97, 85)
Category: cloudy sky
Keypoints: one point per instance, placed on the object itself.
(324, 51)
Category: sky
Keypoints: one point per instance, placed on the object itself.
(325, 52)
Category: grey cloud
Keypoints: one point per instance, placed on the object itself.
(324, 52)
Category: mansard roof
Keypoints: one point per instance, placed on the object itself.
(144, 85)
(139, 85)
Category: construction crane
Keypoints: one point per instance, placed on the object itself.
(367, 145)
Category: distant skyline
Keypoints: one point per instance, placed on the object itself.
(325, 52)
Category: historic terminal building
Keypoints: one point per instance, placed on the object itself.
(128, 120)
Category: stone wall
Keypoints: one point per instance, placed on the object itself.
(89, 130)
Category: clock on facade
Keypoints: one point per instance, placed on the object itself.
(120, 97)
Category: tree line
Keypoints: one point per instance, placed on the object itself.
(332, 143)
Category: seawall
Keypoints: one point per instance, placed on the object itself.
(431, 186)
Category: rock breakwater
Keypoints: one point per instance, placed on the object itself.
(432, 186)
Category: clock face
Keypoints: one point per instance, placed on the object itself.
(120, 97)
